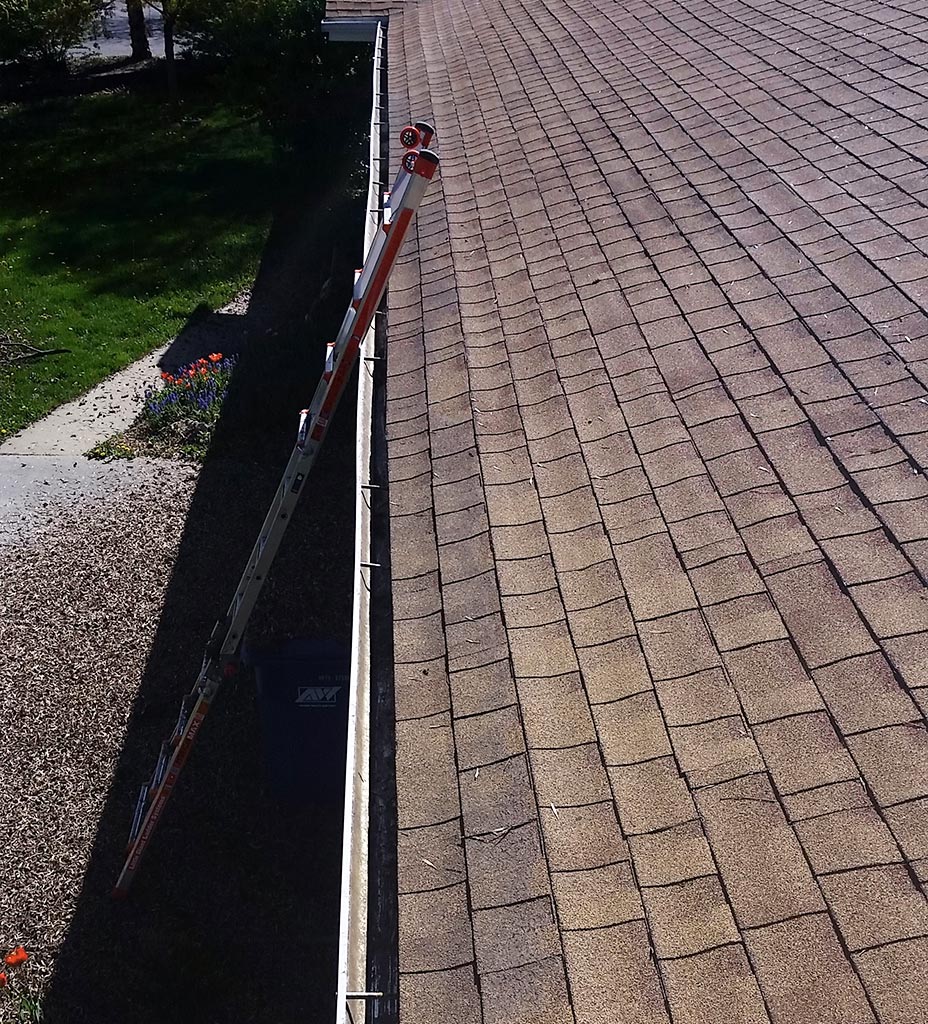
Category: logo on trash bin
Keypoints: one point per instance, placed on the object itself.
(317, 696)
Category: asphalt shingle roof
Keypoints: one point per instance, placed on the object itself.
(360, 8)
(658, 428)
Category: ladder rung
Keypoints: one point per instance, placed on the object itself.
(164, 755)
(185, 709)
(139, 814)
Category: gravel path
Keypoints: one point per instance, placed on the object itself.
(102, 625)
(79, 608)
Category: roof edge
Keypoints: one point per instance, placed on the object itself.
(353, 30)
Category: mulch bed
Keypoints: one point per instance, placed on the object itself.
(102, 625)
(103, 622)
(79, 610)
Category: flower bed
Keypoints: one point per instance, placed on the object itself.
(177, 418)
(19, 991)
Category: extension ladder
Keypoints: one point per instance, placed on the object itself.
(220, 658)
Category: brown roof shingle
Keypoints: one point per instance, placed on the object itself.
(657, 426)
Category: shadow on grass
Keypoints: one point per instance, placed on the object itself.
(234, 914)
(127, 197)
(116, 219)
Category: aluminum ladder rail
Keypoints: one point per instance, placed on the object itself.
(220, 659)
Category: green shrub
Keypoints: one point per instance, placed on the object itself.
(271, 54)
(43, 30)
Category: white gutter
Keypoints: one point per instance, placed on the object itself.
(352, 928)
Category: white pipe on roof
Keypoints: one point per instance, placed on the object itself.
(352, 927)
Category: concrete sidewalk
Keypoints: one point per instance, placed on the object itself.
(45, 464)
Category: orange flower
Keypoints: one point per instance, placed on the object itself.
(204, 372)
(215, 357)
(16, 957)
(191, 372)
(3, 979)
(201, 362)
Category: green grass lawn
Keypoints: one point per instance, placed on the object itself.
(116, 221)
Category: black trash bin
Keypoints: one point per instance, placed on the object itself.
(303, 705)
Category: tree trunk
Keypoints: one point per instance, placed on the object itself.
(169, 64)
(140, 48)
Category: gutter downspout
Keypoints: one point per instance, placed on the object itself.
(352, 933)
